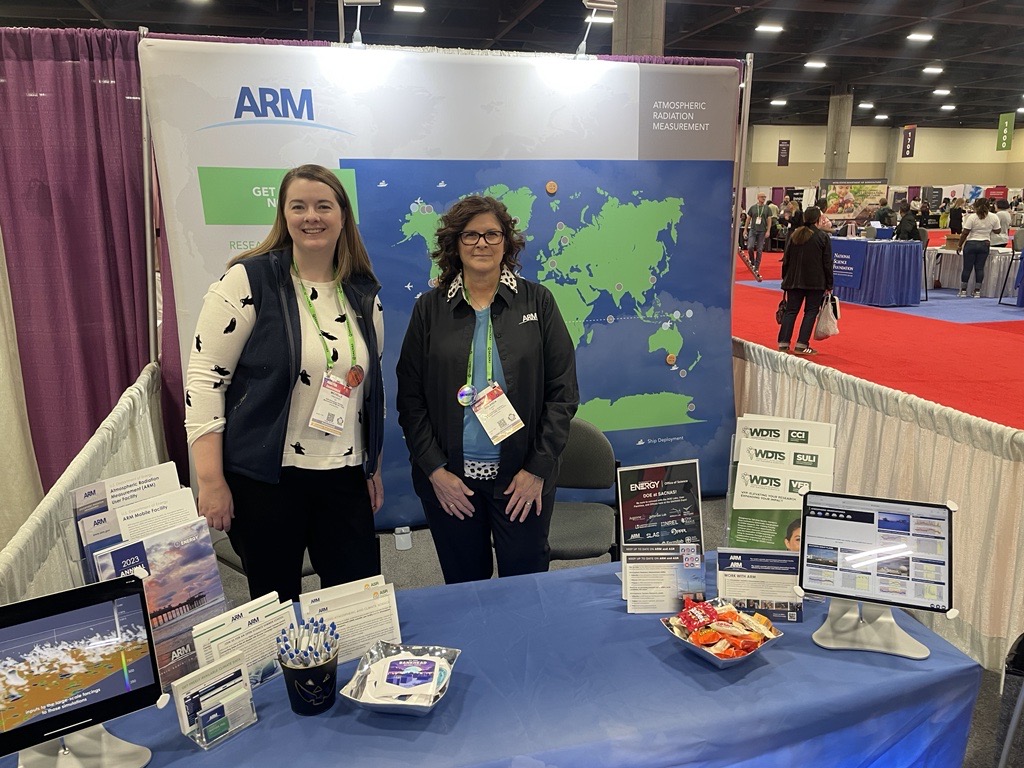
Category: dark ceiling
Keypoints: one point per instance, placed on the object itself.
(979, 44)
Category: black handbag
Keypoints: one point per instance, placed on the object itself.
(781, 310)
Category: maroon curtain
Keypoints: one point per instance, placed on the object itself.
(71, 210)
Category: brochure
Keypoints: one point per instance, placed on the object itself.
(661, 576)
(812, 458)
(761, 582)
(94, 527)
(780, 430)
(182, 585)
(760, 487)
(661, 533)
(309, 599)
(362, 619)
(205, 687)
(142, 518)
(252, 629)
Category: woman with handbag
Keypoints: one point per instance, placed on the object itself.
(806, 277)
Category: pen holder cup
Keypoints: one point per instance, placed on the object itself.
(312, 689)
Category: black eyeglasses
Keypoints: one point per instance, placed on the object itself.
(491, 237)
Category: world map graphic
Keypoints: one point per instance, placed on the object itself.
(640, 268)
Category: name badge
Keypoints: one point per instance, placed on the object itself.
(495, 413)
(758, 220)
(331, 405)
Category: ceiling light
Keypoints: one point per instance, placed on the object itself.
(601, 5)
(941, 91)
(1020, 109)
(866, 105)
(881, 117)
(778, 102)
(815, 64)
(935, 70)
(601, 19)
(768, 28)
(409, 9)
(922, 37)
(948, 107)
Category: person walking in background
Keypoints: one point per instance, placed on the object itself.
(486, 391)
(284, 400)
(759, 222)
(956, 216)
(975, 241)
(806, 277)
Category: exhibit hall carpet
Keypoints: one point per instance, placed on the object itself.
(964, 353)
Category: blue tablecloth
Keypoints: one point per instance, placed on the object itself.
(555, 673)
(890, 273)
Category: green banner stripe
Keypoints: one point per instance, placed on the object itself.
(249, 195)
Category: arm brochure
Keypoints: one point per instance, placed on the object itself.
(251, 628)
(661, 575)
(309, 599)
(142, 518)
(762, 582)
(362, 620)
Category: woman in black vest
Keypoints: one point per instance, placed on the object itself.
(806, 276)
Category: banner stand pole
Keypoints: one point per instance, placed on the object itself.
(740, 168)
(147, 201)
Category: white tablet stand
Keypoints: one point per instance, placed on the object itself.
(855, 626)
(93, 747)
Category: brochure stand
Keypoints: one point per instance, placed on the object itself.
(215, 726)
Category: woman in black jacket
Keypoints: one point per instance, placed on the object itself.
(806, 276)
(956, 216)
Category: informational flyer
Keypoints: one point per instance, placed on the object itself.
(659, 505)
(761, 582)
(779, 430)
(362, 619)
(252, 629)
(812, 458)
(761, 487)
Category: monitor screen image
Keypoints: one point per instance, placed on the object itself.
(877, 550)
(72, 660)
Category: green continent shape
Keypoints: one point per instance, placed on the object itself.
(662, 409)
(518, 201)
(668, 339)
(616, 251)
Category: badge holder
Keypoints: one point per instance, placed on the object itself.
(223, 719)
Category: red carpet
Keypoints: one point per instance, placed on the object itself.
(974, 368)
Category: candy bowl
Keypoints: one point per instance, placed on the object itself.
(718, 633)
(364, 689)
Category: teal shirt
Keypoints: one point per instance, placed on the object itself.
(476, 445)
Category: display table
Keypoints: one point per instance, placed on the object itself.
(880, 273)
(555, 673)
(951, 264)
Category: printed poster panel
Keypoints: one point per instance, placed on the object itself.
(852, 199)
(605, 164)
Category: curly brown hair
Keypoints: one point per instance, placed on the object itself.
(446, 254)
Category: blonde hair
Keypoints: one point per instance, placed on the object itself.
(350, 256)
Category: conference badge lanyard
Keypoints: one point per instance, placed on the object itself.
(760, 216)
(491, 406)
(332, 399)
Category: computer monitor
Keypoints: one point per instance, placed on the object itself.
(70, 661)
(870, 554)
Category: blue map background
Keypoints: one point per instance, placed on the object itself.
(688, 297)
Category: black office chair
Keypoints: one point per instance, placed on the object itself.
(581, 530)
(1016, 246)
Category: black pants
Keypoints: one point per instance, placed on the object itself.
(326, 511)
(464, 546)
(975, 255)
(811, 299)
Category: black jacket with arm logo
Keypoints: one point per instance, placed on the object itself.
(538, 361)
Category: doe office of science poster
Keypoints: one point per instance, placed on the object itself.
(631, 238)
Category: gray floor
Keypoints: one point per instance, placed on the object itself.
(418, 567)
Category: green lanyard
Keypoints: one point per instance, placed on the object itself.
(472, 350)
(316, 322)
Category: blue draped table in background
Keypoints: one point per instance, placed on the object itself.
(554, 672)
(890, 271)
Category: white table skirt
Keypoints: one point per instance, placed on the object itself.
(952, 264)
